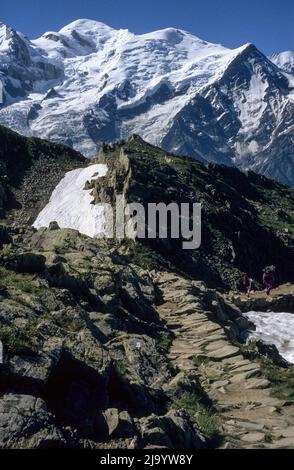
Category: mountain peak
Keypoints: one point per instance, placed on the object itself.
(85, 25)
(248, 48)
(6, 33)
(174, 36)
(79, 38)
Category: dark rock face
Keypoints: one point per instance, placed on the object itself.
(26, 423)
(4, 235)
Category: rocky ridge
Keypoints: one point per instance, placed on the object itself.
(247, 220)
(29, 171)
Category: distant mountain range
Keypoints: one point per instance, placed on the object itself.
(89, 83)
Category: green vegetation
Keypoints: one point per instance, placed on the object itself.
(23, 282)
(279, 217)
(143, 256)
(164, 342)
(282, 379)
(200, 360)
(201, 416)
(19, 340)
(121, 369)
(70, 324)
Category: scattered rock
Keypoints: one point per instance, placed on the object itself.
(54, 226)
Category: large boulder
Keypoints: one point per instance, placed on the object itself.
(173, 430)
(29, 263)
(25, 423)
(119, 424)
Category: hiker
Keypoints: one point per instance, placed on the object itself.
(268, 280)
(274, 275)
(247, 284)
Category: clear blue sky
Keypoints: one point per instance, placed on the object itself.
(266, 23)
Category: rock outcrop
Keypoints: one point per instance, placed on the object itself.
(82, 344)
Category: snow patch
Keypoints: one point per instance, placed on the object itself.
(275, 328)
(70, 204)
(252, 104)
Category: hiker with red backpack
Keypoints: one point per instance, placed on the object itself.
(268, 279)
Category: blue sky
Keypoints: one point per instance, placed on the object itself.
(266, 23)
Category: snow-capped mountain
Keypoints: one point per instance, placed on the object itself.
(89, 84)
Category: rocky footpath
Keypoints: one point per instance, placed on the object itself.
(100, 353)
(204, 343)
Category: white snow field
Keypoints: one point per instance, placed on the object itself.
(275, 328)
(70, 204)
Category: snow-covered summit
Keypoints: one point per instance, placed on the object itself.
(86, 26)
(79, 38)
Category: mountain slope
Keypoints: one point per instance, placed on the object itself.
(284, 60)
(30, 168)
(89, 84)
